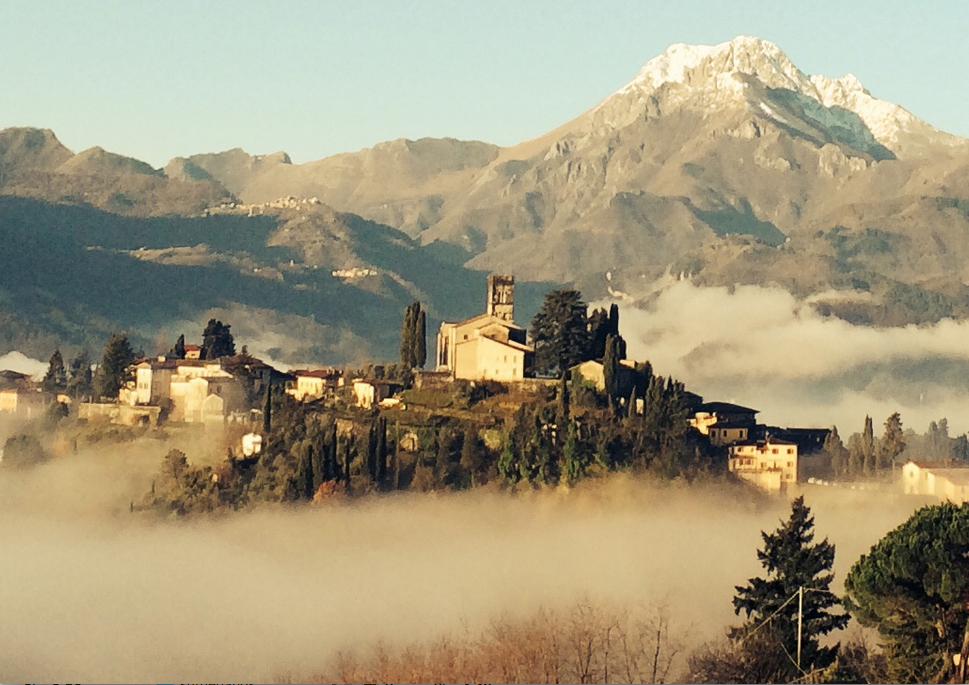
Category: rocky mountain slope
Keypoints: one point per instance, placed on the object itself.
(725, 163)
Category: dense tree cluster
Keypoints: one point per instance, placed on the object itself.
(22, 452)
(564, 334)
(548, 442)
(869, 456)
(217, 341)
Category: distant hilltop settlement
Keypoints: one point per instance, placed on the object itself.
(485, 356)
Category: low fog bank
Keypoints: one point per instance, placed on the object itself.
(762, 348)
(93, 593)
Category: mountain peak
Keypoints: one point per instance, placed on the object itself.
(749, 73)
(744, 54)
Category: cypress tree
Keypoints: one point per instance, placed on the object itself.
(319, 463)
(631, 407)
(610, 369)
(442, 461)
(331, 468)
(267, 411)
(570, 454)
(347, 455)
(868, 446)
(372, 451)
(381, 450)
(562, 412)
(420, 339)
(407, 336)
(304, 474)
(178, 352)
(507, 461)
(471, 460)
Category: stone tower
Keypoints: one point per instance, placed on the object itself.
(501, 296)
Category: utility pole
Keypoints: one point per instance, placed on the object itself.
(800, 614)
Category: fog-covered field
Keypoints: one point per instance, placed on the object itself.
(92, 592)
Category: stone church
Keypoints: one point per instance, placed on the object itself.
(489, 346)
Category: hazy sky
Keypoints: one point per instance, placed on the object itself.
(158, 80)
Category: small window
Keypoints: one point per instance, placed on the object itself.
(774, 451)
(790, 450)
(790, 464)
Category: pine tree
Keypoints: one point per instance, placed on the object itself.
(837, 454)
(792, 562)
(912, 587)
(56, 378)
(893, 441)
(560, 332)
(217, 340)
(79, 383)
(114, 369)
(178, 352)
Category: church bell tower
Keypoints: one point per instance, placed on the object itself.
(501, 296)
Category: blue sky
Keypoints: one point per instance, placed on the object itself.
(155, 80)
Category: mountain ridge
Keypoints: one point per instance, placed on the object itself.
(722, 164)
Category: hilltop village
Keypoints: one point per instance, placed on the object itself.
(499, 405)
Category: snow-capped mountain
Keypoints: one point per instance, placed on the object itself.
(738, 72)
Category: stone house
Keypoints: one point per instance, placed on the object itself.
(368, 393)
(592, 371)
(314, 383)
(770, 464)
(724, 423)
(197, 390)
(941, 480)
